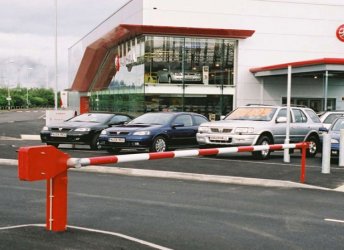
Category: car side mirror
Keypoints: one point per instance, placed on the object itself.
(323, 130)
(281, 119)
(222, 117)
(177, 125)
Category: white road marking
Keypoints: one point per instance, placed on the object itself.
(143, 242)
(334, 220)
(122, 236)
(20, 226)
(341, 188)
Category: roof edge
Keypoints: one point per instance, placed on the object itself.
(299, 64)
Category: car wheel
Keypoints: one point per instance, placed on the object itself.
(313, 146)
(159, 145)
(264, 154)
(94, 142)
(113, 150)
(56, 145)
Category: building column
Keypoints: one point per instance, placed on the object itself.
(325, 90)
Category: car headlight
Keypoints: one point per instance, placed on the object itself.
(244, 130)
(45, 128)
(142, 133)
(83, 129)
(334, 141)
(203, 129)
(103, 132)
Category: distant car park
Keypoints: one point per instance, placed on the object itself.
(82, 129)
(328, 117)
(156, 132)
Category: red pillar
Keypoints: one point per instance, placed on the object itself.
(56, 209)
(303, 162)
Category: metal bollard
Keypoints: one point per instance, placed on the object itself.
(326, 154)
(341, 148)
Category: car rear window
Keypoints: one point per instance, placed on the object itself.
(313, 116)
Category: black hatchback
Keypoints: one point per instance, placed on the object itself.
(82, 129)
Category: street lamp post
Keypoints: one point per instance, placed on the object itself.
(27, 87)
(8, 97)
(8, 88)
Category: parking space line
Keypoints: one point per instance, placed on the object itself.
(122, 236)
(142, 242)
(20, 226)
(334, 220)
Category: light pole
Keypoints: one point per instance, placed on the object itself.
(27, 87)
(8, 88)
(56, 61)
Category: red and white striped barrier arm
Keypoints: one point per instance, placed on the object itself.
(79, 162)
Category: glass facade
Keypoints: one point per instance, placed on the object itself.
(171, 60)
(174, 64)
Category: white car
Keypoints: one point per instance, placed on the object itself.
(261, 125)
(329, 117)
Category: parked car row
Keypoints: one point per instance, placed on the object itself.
(161, 131)
(154, 131)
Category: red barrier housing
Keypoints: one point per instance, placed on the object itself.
(40, 162)
(47, 163)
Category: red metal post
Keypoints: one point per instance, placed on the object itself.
(56, 208)
(303, 162)
(47, 163)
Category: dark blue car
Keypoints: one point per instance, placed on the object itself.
(154, 131)
(334, 131)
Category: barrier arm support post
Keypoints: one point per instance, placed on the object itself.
(303, 162)
(50, 164)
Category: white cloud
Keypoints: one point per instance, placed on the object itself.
(27, 37)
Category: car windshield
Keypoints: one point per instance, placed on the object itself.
(252, 114)
(96, 118)
(338, 125)
(153, 118)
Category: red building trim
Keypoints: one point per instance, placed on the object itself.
(96, 52)
(320, 61)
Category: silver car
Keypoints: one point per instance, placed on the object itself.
(261, 125)
(176, 75)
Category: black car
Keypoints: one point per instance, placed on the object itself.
(154, 131)
(82, 129)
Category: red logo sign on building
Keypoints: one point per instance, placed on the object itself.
(340, 33)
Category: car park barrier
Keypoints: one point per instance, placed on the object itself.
(49, 163)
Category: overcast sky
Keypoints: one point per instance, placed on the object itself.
(27, 36)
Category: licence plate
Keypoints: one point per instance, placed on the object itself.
(334, 152)
(55, 134)
(218, 138)
(121, 140)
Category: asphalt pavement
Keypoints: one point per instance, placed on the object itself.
(216, 170)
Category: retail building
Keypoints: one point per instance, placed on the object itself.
(210, 56)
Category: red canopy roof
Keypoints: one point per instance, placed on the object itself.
(299, 64)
